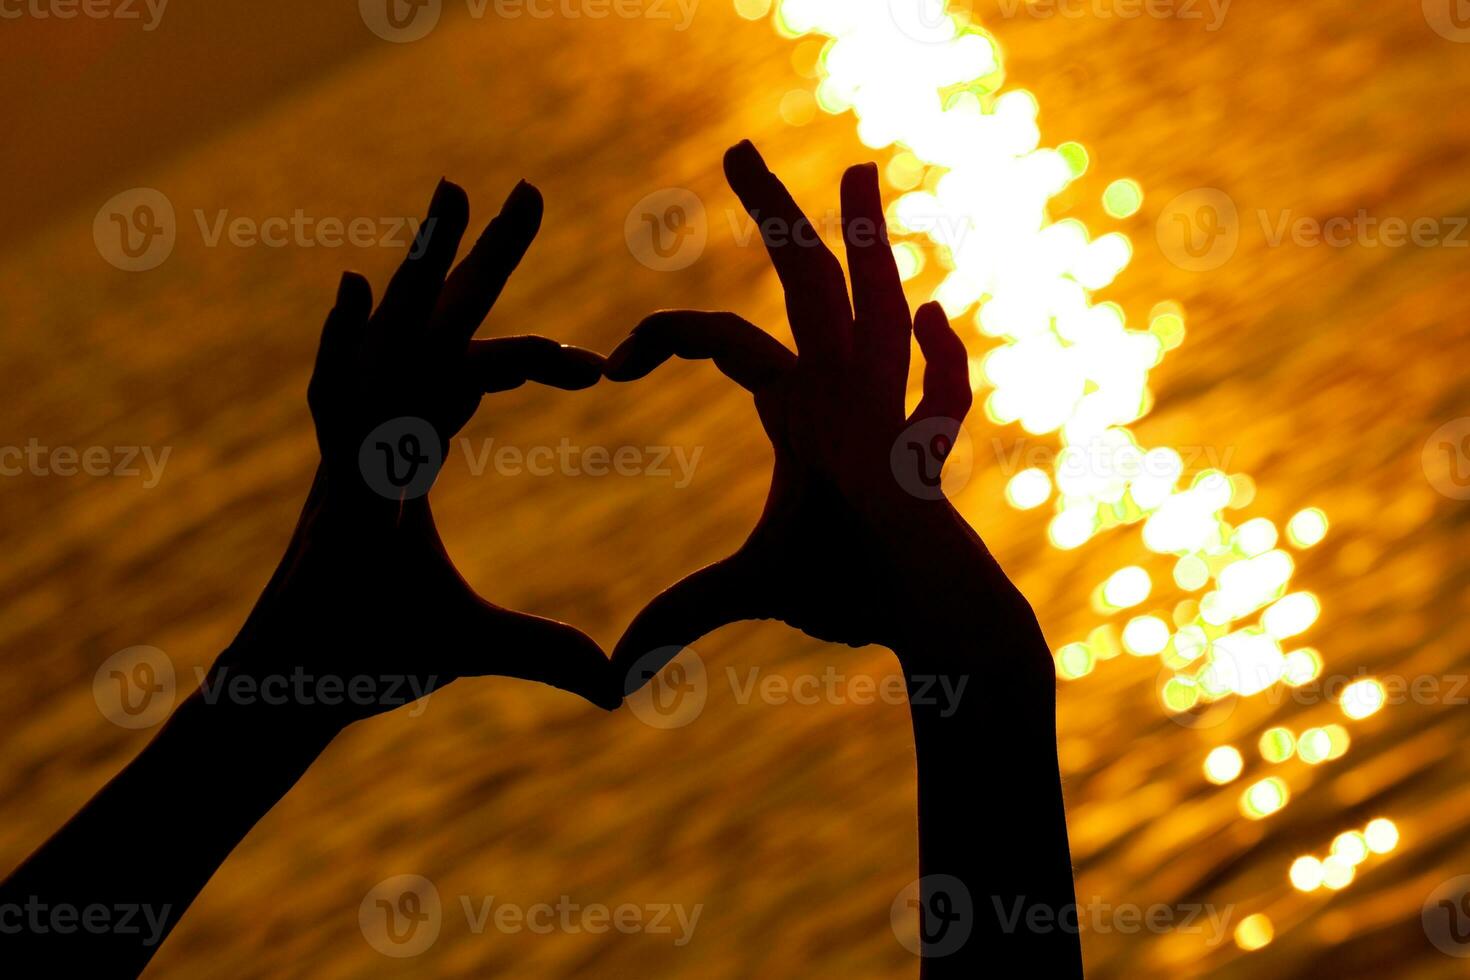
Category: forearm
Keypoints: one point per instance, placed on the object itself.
(991, 815)
(983, 699)
(109, 886)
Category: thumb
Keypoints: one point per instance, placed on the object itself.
(516, 644)
(696, 605)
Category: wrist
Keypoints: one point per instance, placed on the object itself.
(977, 646)
(235, 705)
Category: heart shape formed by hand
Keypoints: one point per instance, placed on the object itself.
(366, 587)
(857, 543)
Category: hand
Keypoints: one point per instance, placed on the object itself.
(856, 545)
(843, 551)
(366, 593)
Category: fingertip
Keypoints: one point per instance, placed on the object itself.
(582, 355)
(743, 152)
(743, 160)
(437, 238)
(627, 361)
(616, 364)
(524, 204)
(449, 199)
(861, 175)
(937, 338)
(585, 367)
(929, 319)
(354, 292)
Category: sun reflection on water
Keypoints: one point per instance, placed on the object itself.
(973, 187)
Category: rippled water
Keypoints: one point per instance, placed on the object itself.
(1322, 371)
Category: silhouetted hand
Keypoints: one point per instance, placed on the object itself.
(846, 550)
(364, 613)
(366, 593)
(858, 544)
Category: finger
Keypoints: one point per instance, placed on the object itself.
(412, 293)
(342, 333)
(880, 311)
(947, 392)
(744, 352)
(476, 283)
(816, 292)
(701, 603)
(514, 644)
(509, 362)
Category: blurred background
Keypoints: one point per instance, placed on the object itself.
(1220, 442)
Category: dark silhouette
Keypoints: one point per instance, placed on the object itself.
(849, 550)
(365, 594)
(857, 545)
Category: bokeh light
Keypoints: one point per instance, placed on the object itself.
(976, 187)
(1127, 587)
(1362, 698)
(1122, 198)
(1223, 764)
(1307, 527)
(1277, 744)
(1263, 798)
(1028, 488)
(1306, 873)
(1382, 835)
(1254, 932)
